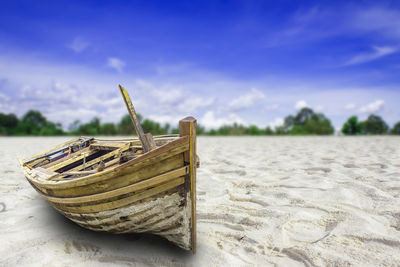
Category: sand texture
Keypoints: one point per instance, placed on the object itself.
(267, 201)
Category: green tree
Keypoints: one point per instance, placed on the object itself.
(8, 123)
(108, 129)
(302, 116)
(51, 128)
(200, 130)
(213, 132)
(254, 130)
(318, 124)
(306, 122)
(150, 126)
(34, 123)
(280, 130)
(396, 129)
(125, 126)
(73, 127)
(31, 123)
(351, 126)
(298, 130)
(375, 125)
(90, 128)
(268, 131)
(175, 131)
(287, 125)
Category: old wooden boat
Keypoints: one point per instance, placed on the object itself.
(135, 185)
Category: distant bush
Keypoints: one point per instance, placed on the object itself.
(306, 122)
(396, 129)
(351, 126)
(8, 123)
(374, 125)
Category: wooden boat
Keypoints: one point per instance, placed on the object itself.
(121, 186)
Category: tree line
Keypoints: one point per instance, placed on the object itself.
(305, 122)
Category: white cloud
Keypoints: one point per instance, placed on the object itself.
(276, 122)
(175, 100)
(350, 106)
(322, 22)
(272, 107)
(378, 52)
(163, 119)
(384, 21)
(70, 87)
(194, 103)
(245, 101)
(211, 122)
(168, 96)
(301, 104)
(79, 44)
(375, 106)
(3, 97)
(115, 63)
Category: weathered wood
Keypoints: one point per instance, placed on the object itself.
(173, 148)
(124, 201)
(100, 168)
(135, 120)
(159, 140)
(151, 141)
(145, 194)
(67, 162)
(48, 151)
(43, 173)
(78, 173)
(140, 173)
(70, 156)
(166, 137)
(187, 127)
(105, 156)
(151, 182)
(107, 146)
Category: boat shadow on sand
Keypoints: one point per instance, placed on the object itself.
(110, 248)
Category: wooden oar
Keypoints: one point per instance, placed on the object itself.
(146, 139)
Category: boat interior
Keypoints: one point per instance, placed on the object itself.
(87, 155)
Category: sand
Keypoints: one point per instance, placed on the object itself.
(267, 201)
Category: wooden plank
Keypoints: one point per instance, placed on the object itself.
(187, 127)
(33, 157)
(96, 160)
(71, 160)
(77, 173)
(177, 146)
(74, 154)
(135, 120)
(108, 164)
(151, 141)
(43, 173)
(107, 146)
(124, 201)
(158, 137)
(140, 174)
(152, 181)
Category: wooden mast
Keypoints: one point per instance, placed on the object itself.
(146, 139)
(187, 127)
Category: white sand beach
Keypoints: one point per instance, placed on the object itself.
(263, 201)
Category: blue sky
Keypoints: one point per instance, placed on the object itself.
(252, 62)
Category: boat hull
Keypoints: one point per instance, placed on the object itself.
(152, 193)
